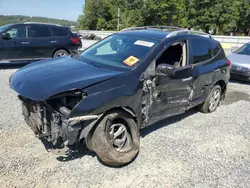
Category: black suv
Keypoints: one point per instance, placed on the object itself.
(125, 82)
(31, 41)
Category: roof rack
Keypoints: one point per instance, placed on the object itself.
(164, 28)
(175, 33)
(41, 23)
(174, 30)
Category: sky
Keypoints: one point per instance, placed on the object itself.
(61, 9)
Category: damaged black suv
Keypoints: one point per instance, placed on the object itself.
(125, 82)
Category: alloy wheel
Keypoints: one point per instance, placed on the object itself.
(214, 100)
(120, 137)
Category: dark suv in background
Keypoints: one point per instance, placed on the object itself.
(31, 41)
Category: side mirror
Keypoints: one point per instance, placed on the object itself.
(5, 36)
(164, 69)
(233, 50)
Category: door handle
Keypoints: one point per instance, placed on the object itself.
(53, 41)
(25, 42)
(187, 79)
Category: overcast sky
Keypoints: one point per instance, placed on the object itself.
(62, 9)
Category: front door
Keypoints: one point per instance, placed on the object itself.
(166, 95)
(15, 47)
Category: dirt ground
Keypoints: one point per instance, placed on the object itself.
(190, 150)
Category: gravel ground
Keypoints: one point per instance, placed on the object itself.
(191, 150)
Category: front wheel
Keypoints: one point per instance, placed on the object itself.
(60, 53)
(116, 139)
(212, 101)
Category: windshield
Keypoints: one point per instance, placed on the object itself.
(4, 27)
(244, 50)
(118, 51)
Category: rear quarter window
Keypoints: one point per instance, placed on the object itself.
(216, 47)
(60, 32)
(200, 50)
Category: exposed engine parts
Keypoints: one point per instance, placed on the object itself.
(49, 120)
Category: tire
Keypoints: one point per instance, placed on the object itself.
(60, 53)
(215, 97)
(124, 146)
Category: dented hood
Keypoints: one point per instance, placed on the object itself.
(41, 80)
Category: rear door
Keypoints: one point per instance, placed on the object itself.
(40, 41)
(204, 67)
(64, 38)
(16, 46)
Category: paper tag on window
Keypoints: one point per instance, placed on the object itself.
(144, 43)
(131, 60)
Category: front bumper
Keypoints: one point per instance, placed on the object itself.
(243, 75)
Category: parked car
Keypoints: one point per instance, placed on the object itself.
(241, 63)
(32, 41)
(125, 82)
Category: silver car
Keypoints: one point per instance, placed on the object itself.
(241, 63)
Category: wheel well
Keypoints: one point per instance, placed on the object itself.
(223, 86)
(61, 49)
(124, 109)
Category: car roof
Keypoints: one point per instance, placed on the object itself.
(147, 33)
(39, 23)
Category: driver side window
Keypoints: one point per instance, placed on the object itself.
(17, 32)
(175, 55)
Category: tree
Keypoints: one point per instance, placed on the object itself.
(216, 16)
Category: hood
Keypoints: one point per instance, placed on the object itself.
(41, 80)
(240, 60)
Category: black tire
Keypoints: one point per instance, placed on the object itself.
(60, 53)
(206, 106)
(107, 148)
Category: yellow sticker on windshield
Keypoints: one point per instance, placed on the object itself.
(131, 60)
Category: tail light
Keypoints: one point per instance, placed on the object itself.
(75, 40)
(229, 63)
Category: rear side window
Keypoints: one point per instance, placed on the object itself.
(215, 47)
(59, 32)
(39, 31)
(200, 50)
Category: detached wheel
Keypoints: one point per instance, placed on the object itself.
(116, 139)
(60, 53)
(212, 101)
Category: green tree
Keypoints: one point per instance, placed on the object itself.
(216, 16)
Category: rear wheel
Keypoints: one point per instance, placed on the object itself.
(116, 139)
(60, 53)
(212, 101)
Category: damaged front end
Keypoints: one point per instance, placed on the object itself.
(50, 120)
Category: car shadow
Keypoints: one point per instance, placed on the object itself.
(78, 152)
(68, 154)
(167, 122)
(13, 65)
(239, 81)
(81, 150)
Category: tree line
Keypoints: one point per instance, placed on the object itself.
(21, 19)
(213, 16)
